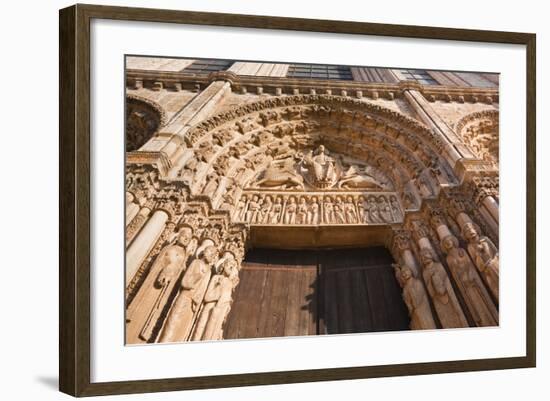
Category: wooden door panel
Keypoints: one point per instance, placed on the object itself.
(246, 304)
(292, 293)
(279, 298)
(361, 293)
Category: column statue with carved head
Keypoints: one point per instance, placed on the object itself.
(193, 285)
(415, 298)
(475, 294)
(441, 291)
(217, 301)
(485, 256)
(146, 307)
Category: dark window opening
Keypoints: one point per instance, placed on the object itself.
(208, 66)
(317, 71)
(420, 76)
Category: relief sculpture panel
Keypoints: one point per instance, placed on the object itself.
(318, 208)
(326, 166)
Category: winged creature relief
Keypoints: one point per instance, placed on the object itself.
(280, 174)
(318, 169)
(357, 178)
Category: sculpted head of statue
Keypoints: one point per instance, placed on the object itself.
(229, 268)
(426, 256)
(449, 243)
(470, 233)
(185, 235)
(210, 254)
(406, 273)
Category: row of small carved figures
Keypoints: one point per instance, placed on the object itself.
(372, 209)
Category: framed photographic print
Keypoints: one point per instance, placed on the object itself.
(252, 200)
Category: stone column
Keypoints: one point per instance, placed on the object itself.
(133, 228)
(492, 206)
(484, 190)
(132, 208)
(144, 242)
(488, 208)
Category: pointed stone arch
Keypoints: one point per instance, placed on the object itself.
(228, 148)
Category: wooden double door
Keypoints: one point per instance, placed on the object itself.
(305, 292)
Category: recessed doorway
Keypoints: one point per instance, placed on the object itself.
(308, 292)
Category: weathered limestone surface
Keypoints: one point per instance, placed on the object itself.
(243, 153)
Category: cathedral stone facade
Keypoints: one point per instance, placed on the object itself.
(224, 157)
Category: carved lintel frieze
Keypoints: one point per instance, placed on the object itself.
(318, 208)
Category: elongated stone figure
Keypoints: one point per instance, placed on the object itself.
(485, 256)
(146, 307)
(415, 298)
(443, 296)
(475, 294)
(193, 286)
(217, 302)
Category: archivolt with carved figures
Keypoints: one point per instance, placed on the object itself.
(307, 161)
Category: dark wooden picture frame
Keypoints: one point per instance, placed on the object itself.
(75, 207)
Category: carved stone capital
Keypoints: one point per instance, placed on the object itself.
(401, 240)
